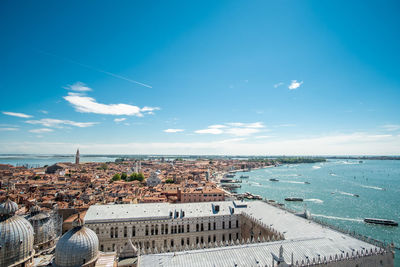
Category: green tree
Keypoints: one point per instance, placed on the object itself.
(169, 181)
(124, 176)
(116, 177)
(140, 177)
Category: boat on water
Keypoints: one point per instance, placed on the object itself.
(244, 176)
(274, 180)
(231, 185)
(381, 221)
(225, 180)
(307, 182)
(229, 175)
(293, 199)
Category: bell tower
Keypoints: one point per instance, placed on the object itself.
(77, 156)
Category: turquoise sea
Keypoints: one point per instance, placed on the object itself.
(330, 194)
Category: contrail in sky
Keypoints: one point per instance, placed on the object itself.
(95, 69)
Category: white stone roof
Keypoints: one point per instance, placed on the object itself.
(257, 254)
(123, 212)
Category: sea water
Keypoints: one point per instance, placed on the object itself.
(331, 194)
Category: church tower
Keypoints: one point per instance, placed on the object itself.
(77, 157)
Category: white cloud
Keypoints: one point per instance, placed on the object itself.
(234, 128)
(217, 126)
(88, 104)
(263, 136)
(210, 131)
(278, 84)
(78, 87)
(56, 123)
(338, 144)
(41, 130)
(15, 114)
(295, 84)
(391, 127)
(8, 129)
(119, 119)
(44, 111)
(173, 130)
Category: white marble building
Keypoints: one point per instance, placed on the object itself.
(159, 231)
(153, 180)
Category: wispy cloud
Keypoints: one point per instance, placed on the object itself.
(87, 104)
(119, 119)
(8, 129)
(295, 84)
(56, 123)
(263, 136)
(41, 130)
(44, 111)
(96, 69)
(173, 130)
(16, 114)
(78, 87)
(278, 84)
(338, 144)
(233, 128)
(391, 127)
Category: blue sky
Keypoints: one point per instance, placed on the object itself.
(200, 77)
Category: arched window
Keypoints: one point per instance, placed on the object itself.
(188, 228)
(230, 224)
(116, 232)
(202, 227)
(162, 229)
(197, 227)
(133, 231)
(112, 232)
(147, 230)
(125, 231)
(223, 224)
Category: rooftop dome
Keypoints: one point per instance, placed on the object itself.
(16, 236)
(8, 208)
(35, 209)
(77, 247)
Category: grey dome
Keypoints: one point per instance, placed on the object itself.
(35, 209)
(16, 236)
(76, 247)
(43, 226)
(8, 208)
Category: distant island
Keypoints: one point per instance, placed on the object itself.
(289, 160)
